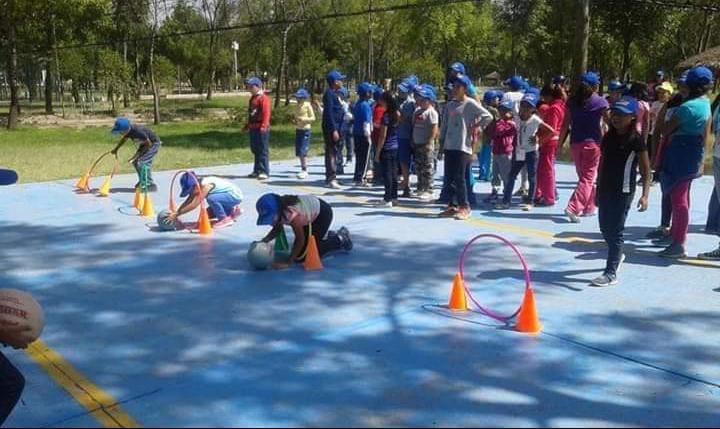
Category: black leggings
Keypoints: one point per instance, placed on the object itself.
(321, 228)
(456, 165)
(12, 384)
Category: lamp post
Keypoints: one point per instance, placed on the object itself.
(235, 47)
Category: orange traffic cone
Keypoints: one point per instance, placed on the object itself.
(104, 190)
(204, 227)
(148, 210)
(138, 201)
(458, 302)
(312, 256)
(82, 183)
(527, 320)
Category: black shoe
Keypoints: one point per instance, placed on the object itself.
(407, 193)
(344, 235)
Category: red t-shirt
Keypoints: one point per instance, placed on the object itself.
(259, 112)
(553, 114)
(378, 114)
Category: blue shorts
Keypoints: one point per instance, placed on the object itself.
(302, 142)
(404, 151)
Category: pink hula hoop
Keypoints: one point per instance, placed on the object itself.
(482, 309)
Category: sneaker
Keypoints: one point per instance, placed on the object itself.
(262, 176)
(502, 206)
(521, 193)
(426, 196)
(663, 242)
(572, 216)
(302, 175)
(252, 175)
(448, 212)
(357, 183)
(673, 251)
(237, 211)
(657, 233)
(152, 188)
(386, 204)
(590, 214)
(491, 198)
(367, 184)
(528, 207)
(224, 223)
(334, 184)
(710, 256)
(407, 193)
(463, 214)
(605, 280)
(344, 235)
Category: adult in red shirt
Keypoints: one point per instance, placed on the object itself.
(259, 127)
(378, 114)
(552, 112)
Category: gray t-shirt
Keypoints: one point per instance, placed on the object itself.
(458, 119)
(423, 122)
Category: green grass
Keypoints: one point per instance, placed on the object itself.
(62, 153)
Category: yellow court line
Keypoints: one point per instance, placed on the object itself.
(528, 232)
(99, 404)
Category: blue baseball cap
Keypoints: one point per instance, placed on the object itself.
(463, 80)
(458, 67)
(507, 105)
(364, 89)
(515, 83)
(660, 73)
(426, 91)
(489, 96)
(559, 79)
(188, 181)
(626, 106)
(253, 81)
(590, 78)
(405, 88)
(530, 98)
(533, 90)
(302, 94)
(682, 80)
(448, 87)
(699, 76)
(377, 93)
(412, 80)
(268, 208)
(335, 76)
(616, 85)
(122, 125)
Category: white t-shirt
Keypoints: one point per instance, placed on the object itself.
(527, 137)
(222, 186)
(306, 211)
(515, 98)
(423, 122)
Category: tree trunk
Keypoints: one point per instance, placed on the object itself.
(48, 68)
(138, 83)
(582, 36)
(126, 99)
(211, 65)
(283, 60)
(156, 101)
(61, 85)
(625, 58)
(12, 70)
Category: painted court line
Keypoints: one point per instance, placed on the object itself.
(99, 404)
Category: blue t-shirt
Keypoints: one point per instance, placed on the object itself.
(693, 116)
(391, 139)
(362, 114)
(140, 134)
(333, 113)
(407, 111)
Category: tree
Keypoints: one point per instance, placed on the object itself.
(216, 14)
(114, 73)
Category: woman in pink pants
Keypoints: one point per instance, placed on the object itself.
(553, 114)
(587, 114)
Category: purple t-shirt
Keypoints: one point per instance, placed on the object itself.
(586, 121)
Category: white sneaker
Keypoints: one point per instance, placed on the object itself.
(384, 204)
(334, 184)
(572, 216)
(302, 175)
(426, 196)
(262, 176)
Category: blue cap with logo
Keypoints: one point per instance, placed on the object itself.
(463, 80)
(506, 105)
(188, 181)
(699, 76)
(533, 90)
(616, 85)
(590, 78)
(268, 208)
(490, 96)
(559, 79)
(682, 79)
(335, 76)
(302, 94)
(122, 125)
(531, 99)
(426, 91)
(364, 89)
(253, 81)
(377, 92)
(515, 83)
(626, 106)
(458, 67)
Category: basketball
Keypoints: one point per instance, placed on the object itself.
(260, 255)
(164, 223)
(20, 308)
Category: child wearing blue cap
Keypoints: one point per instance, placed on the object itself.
(425, 132)
(405, 131)
(223, 198)
(303, 119)
(301, 212)
(525, 152)
(623, 149)
(148, 147)
(332, 121)
(615, 91)
(258, 125)
(457, 142)
(387, 148)
(503, 134)
(491, 101)
(362, 130)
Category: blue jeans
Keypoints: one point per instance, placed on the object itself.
(146, 160)
(612, 213)
(457, 167)
(221, 204)
(260, 147)
(485, 159)
(713, 221)
(389, 166)
(302, 142)
(12, 384)
(444, 197)
(531, 161)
